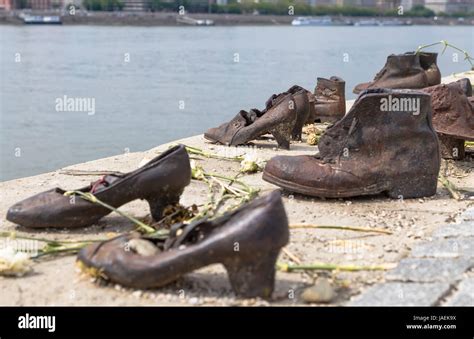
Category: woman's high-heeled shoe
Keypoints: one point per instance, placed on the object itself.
(160, 182)
(246, 241)
(284, 116)
(278, 120)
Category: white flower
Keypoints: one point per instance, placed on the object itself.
(13, 263)
(197, 172)
(251, 163)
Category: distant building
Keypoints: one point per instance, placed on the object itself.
(42, 5)
(450, 6)
(321, 2)
(382, 4)
(136, 5)
(408, 4)
(6, 5)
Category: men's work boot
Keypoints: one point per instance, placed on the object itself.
(385, 143)
(428, 63)
(465, 85)
(400, 71)
(329, 100)
(453, 117)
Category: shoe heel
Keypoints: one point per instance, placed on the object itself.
(282, 133)
(160, 202)
(414, 188)
(253, 277)
(282, 137)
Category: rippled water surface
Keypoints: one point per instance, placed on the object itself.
(155, 84)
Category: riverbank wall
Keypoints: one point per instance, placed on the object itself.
(169, 19)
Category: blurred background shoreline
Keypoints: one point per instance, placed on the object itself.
(172, 19)
(239, 12)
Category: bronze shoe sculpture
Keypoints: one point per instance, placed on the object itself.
(302, 103)
(246, 241)
(453, 116)
(329, 100)
(428, 62)
(278, 118)
(161, 182)
(400, 71)
(302, 99)
(465, 85)
(385, 143)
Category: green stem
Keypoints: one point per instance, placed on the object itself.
(328, 267)
(13, 235)
(446, 45)
(92, 198)
(249, 190)
(345, 228)
(198, 151)
(68, 249)
(450, 187)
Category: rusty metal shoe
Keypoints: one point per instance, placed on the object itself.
(301, 97)
(258, 230)
(452, 112)
(161, 182)
(453, 116)
(381, 145)
(330, 100)
(429, 64)
(400, 71)
(465, 85)
(278, 118)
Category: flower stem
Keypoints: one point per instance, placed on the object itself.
(92, 198)
(330, 267)
(345, 228)
(13, 235)
(198, 151)
(446, 45)
(450, 187)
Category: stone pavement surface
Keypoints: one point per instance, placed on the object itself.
(437, 272)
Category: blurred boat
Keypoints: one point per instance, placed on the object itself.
(388, 22)
(369, 22)
(186, 20)
(310, 21)
(41, 20)
(394, 22)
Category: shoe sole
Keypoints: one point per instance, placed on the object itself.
(401, 189)
(320, 192)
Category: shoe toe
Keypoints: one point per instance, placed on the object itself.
(86, 254)
(361, 87)
(285, 168)
(16, 213)
(41, 210)
(212, 134)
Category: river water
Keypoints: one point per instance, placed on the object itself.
(150, 85)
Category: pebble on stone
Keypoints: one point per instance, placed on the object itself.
(321, 292)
